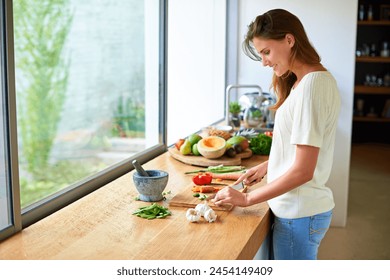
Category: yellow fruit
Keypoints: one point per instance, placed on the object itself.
(185, 149)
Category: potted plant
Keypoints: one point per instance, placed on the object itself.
(235, 110)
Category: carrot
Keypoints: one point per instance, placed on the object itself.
(226, 176)
(207, 189)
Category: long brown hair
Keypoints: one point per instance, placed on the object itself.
(276, 24)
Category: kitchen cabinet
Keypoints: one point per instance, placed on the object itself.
(372, 73)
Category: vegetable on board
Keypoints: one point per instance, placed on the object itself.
(219, 169)
(202, 179)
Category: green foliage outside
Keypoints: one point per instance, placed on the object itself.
(129, 118)
(41, 28)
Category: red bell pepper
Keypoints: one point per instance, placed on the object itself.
(202, 179)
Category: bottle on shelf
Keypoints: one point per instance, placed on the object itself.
(385, 52)
(373, 51)
(361, 12)
(370, 13)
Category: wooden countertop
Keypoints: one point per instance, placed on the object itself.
(101, 226)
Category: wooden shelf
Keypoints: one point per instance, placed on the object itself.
(374, 59)
(370, 119)
(361, 89)
(374, 22)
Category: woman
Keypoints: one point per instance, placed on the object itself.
(301, 155)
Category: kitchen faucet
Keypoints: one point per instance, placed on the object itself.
(227, 98)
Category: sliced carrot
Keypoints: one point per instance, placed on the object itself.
(226, 176)
(206, 189)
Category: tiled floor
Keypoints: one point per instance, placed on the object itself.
(366, 236)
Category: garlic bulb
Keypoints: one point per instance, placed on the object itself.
(202, 208)
(192, 215)
(210, 215)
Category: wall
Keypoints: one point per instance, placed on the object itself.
(196, 65)
(331, 27)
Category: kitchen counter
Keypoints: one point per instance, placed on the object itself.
(101, 226)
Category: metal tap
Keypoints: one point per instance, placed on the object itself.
(227, 98)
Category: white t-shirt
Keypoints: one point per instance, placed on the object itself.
(308, 117)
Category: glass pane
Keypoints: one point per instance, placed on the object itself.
(85, 71)
(196, 65)
(4, 187)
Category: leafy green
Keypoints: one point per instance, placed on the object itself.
(261, 145)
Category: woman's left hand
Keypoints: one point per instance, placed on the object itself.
(229, 195)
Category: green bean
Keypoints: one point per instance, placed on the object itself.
(152, 211)
(219, 169)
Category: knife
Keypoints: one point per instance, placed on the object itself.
(238, 187)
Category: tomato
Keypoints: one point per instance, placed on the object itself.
(202, 179)
(269, 133)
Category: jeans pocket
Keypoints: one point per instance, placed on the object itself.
(319, 225)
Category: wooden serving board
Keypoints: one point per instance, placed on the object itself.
(205, 162)
(186, 199)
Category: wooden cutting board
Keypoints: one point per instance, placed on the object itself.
(205, 162)
(186, 199)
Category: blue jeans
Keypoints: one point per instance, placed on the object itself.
(299, 239)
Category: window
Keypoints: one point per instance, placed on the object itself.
(87, 81)
(89, 93)
(5, 220)
(85, 71)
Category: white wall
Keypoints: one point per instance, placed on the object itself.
(331, 27)
(196, 65)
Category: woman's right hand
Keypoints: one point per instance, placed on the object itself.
(253, 175)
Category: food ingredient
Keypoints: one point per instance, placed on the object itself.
(179, 143)
(219, 169)
(247, 133)
(237, 139)
(210, 215)
(192, 215)
(152, 212)
(221, 133)
(202, 208)
(212, 147)
(244, 144)
(226, 176)
(231, 152)
(261, 145)
(194, 138)
(202, 179)
(238, 142)
(195, 150)
(269, 133)
(205, 189)
(186, 148)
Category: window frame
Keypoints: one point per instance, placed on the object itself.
(22, 218)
